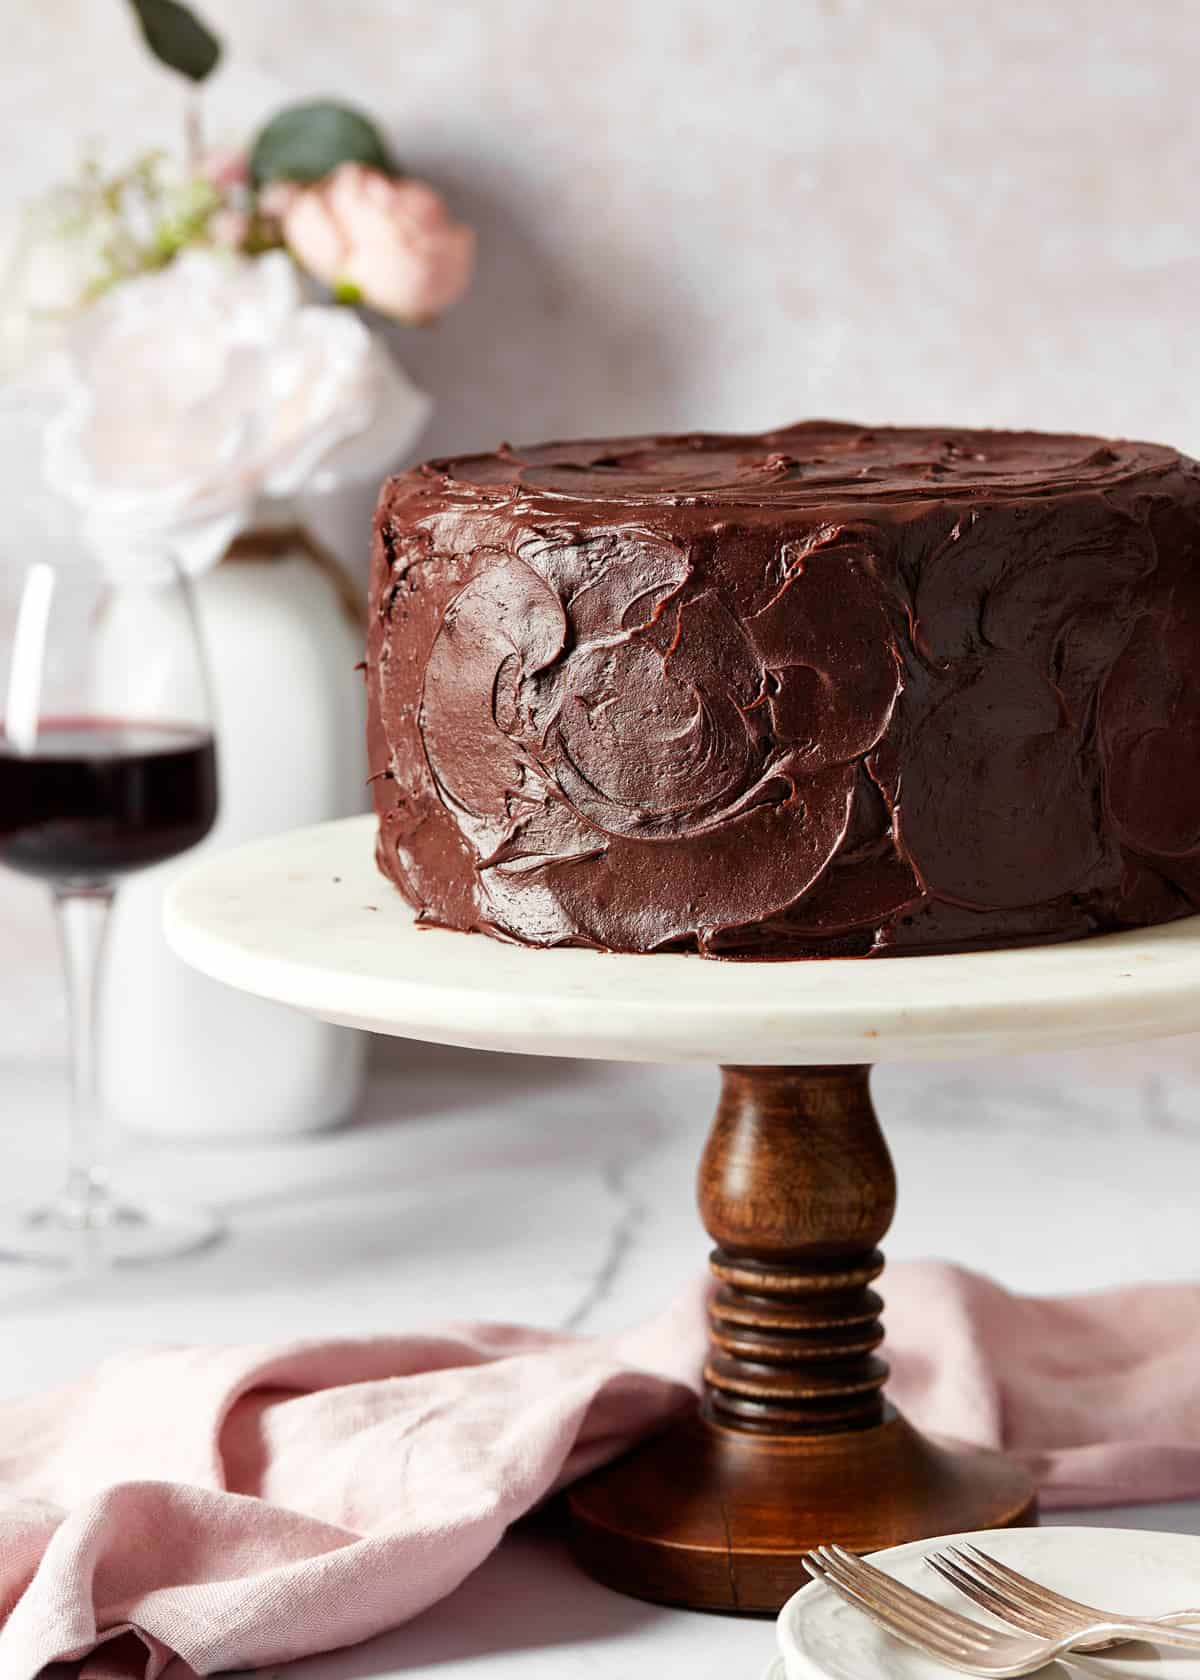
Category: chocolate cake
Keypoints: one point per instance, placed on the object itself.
(826, 691)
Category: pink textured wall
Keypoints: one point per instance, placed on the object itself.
(694, 212)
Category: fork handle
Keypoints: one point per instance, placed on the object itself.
(1177, 1618)
(1162, 1631)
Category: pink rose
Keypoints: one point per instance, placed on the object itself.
(277, 198)
(224, 167)
(391, 243)
(229, 227)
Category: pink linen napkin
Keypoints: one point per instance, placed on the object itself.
(243, 1506)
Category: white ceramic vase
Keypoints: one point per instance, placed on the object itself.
(180, 1055)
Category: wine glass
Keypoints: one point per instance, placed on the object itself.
(107, 765)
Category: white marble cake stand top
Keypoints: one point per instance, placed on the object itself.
(305, 919)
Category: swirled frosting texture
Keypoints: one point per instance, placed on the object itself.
(823, 691)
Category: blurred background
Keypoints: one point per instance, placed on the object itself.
(693, 214)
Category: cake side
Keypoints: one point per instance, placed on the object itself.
(824, 691)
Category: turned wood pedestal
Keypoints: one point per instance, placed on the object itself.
(793, 1443)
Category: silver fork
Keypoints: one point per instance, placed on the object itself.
(957, 1640)
(1027, 1604)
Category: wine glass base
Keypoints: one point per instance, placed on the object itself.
(115, 1231)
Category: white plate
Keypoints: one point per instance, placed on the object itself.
(1120, 1569)
(306, 919)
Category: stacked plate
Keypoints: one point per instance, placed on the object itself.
(1125, 1570)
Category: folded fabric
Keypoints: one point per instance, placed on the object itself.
(1097, 1394)
(244, 1506)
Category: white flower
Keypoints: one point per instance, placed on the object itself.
(194, 394)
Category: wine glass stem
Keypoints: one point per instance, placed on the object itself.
(82, 915)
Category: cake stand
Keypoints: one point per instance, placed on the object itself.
(792, 1442)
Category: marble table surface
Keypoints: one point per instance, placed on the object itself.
(560, 1193)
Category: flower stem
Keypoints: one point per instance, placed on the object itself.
(193, 129)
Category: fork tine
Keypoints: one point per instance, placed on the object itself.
(897, 1614)
(874, 1583)
(1022, 1587)
(1009, 1580)
(963, 1626)
(980, 1592)
(902, 1625)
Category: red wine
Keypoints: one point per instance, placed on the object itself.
(96, 798)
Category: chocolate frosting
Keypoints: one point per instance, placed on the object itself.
(822, 691)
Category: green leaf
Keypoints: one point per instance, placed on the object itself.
(177, 38)
(304, 142)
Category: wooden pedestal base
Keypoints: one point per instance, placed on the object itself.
(792, 1445)
(717, 1519)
